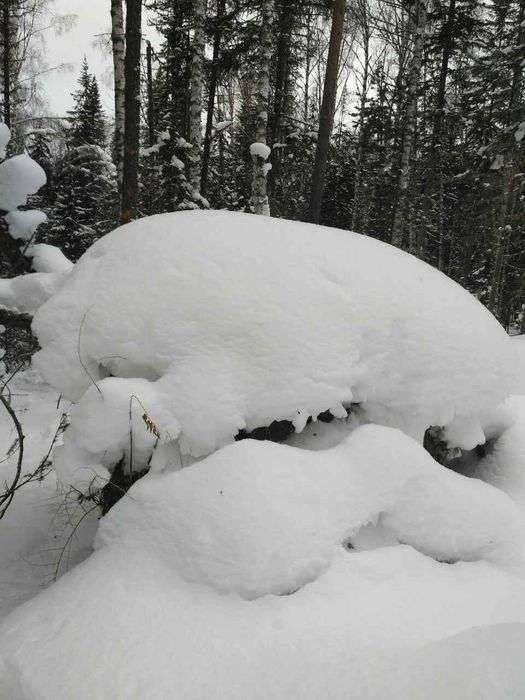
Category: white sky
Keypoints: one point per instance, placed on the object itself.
(93, 18)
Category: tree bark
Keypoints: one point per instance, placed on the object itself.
(118, 45)
(196, 85)
(356, 209)
(6, 61)
(151, 106)
(214, 78)
(410, 123)
(131, 111)
(259, 203)
(326, 116)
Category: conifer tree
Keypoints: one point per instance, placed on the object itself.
(85, 204)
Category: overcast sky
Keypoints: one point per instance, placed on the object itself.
(93, 19)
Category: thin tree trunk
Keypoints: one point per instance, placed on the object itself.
(118, 45)
(214, 77)
(410, 122)
(259, 203)
(356, 209)
(131, 111)
(326, 116)
(151, 106)
(6, 61)
(196, 85)
(307, 66)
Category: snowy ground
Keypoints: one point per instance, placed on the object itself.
(383, 620)
(344, 564)
(34, 535)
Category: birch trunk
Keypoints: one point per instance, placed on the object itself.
(259, 203)
(410, 123)
(196, 89)
(118, 45)
(326, 116)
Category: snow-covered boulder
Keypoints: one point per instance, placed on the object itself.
(234, 321)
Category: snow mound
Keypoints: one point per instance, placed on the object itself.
(28, 292)
(504, 464)
(23, 224)
(48, 258)
(518, 342)
(5, 137)
(20, 176)
(238, 320)
(257, 518)
(154, 611)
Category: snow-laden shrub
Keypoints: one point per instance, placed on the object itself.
(209, 323)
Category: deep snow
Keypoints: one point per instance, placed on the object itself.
(213, 322)
(345, 564)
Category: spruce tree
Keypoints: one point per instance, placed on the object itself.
(86, 200)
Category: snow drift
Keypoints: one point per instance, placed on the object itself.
(219, 321)
(231, 578)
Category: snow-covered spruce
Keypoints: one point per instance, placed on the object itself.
(209, 323)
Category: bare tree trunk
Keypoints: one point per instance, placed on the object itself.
(151, 106)
(259, 203)
(356, 209)
(131, 111)
(308, 58)
(214, 77)
(118, 44)
(410, 122)
(6, 61)
(196, 85)
(326, 116)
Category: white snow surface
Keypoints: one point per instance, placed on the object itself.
(260, 149)
(48, 258)
(5, 137)
(23, 224)
(229, 579)
(20, 176)
(28, 292)
(218, 321)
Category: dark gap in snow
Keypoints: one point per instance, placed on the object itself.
(277, 431)
(121, 481)
(436, 446)
(280, 430)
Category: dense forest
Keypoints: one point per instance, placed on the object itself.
(403, 121)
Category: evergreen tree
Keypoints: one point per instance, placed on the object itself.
(87, 117)
(85, 204)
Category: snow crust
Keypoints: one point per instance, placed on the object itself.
(174, 602)
(223, 321)
(20, 176)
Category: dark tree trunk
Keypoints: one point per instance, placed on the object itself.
(6, 61)
(214, 78)
(151, 107)
(131, 111)
(326, 116)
